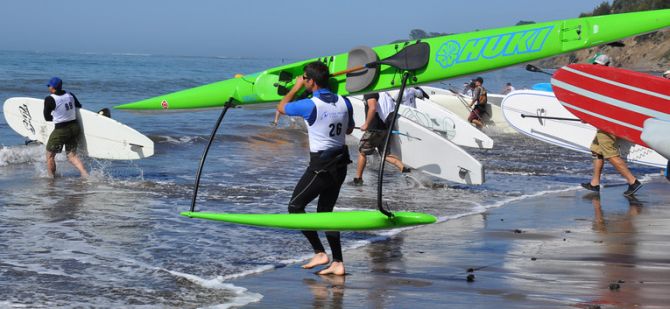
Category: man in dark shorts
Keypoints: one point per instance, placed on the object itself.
(376, 111)
(329, 119)
(479, 100)
(60, 107)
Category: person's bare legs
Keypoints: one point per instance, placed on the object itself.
(597, 170)
(478, 123)
(51, 164)
(362, 161)
(395, 161)
(622, 168)
(335, 268)
(74, 160)
(319, 258)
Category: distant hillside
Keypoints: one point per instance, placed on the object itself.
(650, 52)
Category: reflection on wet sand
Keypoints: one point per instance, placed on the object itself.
(619, 284)
(328, 291)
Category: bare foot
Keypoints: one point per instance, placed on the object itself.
(320, 258)
(335, 268)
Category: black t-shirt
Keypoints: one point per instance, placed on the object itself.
(376, 123)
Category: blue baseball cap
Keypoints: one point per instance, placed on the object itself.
(55, 83)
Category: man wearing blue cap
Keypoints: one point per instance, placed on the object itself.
(60, 107)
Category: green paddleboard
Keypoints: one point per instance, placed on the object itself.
(323, 221)
(450, 56)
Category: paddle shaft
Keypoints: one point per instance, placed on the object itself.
(552, 118)
(354, 69)
(533, 68)
(392, 132)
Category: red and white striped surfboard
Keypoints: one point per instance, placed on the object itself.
(614, 100)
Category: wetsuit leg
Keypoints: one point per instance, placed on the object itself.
(307, 189)
(327, 200)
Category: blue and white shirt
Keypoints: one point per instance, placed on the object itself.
(328, 117)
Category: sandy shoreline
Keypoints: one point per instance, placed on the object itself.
(570, 249)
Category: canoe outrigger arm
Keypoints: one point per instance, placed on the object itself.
(230, 103)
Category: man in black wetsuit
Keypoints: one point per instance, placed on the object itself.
(329, 117)
(60, 107)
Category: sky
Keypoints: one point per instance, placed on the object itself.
(253, 28)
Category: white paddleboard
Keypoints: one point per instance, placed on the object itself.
(569, 134)
(102, 137)
(444, 122)
(422, 149)
(458, 104)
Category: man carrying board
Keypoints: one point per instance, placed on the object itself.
(329, 118)
(60, 107)
(605, 146)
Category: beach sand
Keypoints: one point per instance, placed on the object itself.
(570, 249)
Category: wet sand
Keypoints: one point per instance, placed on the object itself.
(571, 249)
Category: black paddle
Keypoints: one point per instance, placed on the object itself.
(552, 118)
(412, 57)
(532, 68)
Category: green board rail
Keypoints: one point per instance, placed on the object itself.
(450, 56)
(322, 221)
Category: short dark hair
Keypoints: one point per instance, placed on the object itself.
(480, 80)
(318, 72)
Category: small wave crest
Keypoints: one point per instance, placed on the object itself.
(242, 296)
(21, 154)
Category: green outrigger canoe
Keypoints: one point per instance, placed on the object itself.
(450, 56)
(442, 58)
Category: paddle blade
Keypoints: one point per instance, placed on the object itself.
(532, 68)
(412, 57)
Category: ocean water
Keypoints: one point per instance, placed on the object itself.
(117, 240)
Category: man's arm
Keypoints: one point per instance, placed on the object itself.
(290, 95)
(350, 111)
(372, 110)
(76, 102)
(49, 106)
(475, 96)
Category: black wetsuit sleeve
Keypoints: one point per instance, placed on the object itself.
(49, 106)
(76, 102)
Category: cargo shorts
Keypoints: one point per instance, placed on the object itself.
(605, 144)
(370, 141)
(67, 136)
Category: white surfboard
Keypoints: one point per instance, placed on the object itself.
(459, 105)
(444, 122)
(656, 133)
(102, 137)
(422, 149)
(571, 134)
